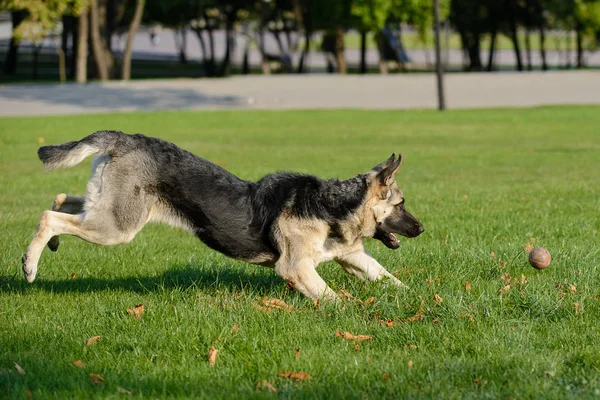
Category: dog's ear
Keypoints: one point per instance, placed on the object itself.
(385, 174)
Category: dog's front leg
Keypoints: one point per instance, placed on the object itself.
(365, 267)
(302, 275)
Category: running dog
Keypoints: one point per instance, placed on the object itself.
(288, 221)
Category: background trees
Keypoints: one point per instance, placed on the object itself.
(481, 26)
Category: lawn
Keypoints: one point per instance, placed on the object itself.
(484, 183)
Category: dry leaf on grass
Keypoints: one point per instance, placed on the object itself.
(437, 298)
(388, 322)
(385, 376)
(136, 311)
(410, 363)
(410, 346)
(20, 370)
(504, 290)
(468, 316)
(431, 281)
(349, 336)
(300, 376)
(468, 286)
(577, 308)
(123, 391)
(234, 329)
(93, 340)
(493, 255)
(528, 247)
(73, 275)
(297, 354)
(417, 317)
(212, 356)
(436, 320)
(270, 304)
(356, 346)
(505, 278)
(96, 379)
(344, 294)
(369, 301)
(265, 384)
(78, 364)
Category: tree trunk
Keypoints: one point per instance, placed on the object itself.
(339, 50)
(203, 49)
(182, 49)
(74, 47)
(62, 64)
(135, 24)
(211, 61)
(224, 69)
(363, 52)
(10, 62)
(490, 63)
(305, 51)
(528, 49)
(36, 53)
(515, 39)
(97, 47)
(580, 62)
(82, 45)
(543, 47)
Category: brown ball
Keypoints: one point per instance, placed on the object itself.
(539, 258)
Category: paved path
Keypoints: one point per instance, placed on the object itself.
(401, 91)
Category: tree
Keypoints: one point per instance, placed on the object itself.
(41, 18)
(135, 23)
(333, 16)
(10, 62)
(371, 17)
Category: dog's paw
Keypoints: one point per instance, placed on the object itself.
(53, 243)
(28, 271)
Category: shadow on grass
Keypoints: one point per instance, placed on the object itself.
(180, 277)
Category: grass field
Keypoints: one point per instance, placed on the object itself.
(484, 183)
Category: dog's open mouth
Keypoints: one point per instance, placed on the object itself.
(387, 238)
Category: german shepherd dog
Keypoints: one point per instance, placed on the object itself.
(288, 221)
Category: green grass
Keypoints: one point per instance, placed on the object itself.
(480, 181)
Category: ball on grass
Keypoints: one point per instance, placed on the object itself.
(539, 258)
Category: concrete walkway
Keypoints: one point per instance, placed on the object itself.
(305, 92)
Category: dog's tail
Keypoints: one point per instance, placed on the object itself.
(68, 154)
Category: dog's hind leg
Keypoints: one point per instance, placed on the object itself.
(303, 276)
(65, 204)
(97, 229)
(365, 267)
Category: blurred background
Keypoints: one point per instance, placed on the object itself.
(81, 40)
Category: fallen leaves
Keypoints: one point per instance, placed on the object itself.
(123, 391)
(299, 376)
(389, 322)
(297, 354)
(212, 356)
(265, 384)
(504, 289)
(78, 364)
(349, 336)
(136, 311)
(20, 370)
(437, 298)
(96, 379)
(93, 340)
(270, 304)
(468, 286)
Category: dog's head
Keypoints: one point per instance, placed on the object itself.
(387, 205)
